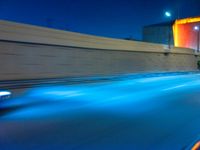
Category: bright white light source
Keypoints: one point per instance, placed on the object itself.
(196, 28)
(168, 14)
(5, 94)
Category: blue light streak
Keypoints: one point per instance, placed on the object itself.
(126, 96)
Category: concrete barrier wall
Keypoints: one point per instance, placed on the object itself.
(29, 52)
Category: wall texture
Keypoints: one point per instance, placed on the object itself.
(29, 61)
(29, 52)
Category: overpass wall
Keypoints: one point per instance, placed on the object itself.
(31, 52)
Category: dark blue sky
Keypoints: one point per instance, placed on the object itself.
(111, 18)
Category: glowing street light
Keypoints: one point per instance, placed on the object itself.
(168, 14)
(197, 28)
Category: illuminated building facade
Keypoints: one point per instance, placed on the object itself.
(180, 33)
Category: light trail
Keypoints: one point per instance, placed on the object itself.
(143, 113)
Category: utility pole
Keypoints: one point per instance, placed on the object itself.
(168, 15)
(197, 29)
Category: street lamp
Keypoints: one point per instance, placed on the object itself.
(197, 29)
(168, 15)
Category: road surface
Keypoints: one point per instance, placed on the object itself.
(158, 112)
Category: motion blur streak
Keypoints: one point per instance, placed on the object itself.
(150, 112)
(5, 93)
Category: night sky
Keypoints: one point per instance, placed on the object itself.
(110, 18)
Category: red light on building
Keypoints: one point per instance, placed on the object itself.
(184, 33)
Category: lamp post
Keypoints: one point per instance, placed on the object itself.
(168, 15)
(197, 29)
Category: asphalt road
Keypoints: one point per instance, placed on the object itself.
(145, 113)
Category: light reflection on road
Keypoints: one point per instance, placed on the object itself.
(157, 112)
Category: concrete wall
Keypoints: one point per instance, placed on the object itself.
(29, 52)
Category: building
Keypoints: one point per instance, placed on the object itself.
(179, 33)
(161, 33)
